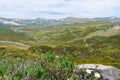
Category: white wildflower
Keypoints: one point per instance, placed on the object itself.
(57, 57)
(89, 71)
(97, 75)
(117, 27)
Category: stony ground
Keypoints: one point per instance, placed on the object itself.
(107, 72)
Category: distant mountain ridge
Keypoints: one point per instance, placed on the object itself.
(51, 22)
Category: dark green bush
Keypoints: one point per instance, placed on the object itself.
(66, 49)
(41, 49)
(3, 51)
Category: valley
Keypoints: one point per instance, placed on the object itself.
(62, 42)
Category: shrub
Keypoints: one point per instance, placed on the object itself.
(3, 51)
(66, 49)
(41, 49)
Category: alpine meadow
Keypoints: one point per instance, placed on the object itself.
(60, 40)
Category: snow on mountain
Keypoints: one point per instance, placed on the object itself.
(10, 22)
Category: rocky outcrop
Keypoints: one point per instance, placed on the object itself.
(107, 72)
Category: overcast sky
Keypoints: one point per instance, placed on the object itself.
(59, 8)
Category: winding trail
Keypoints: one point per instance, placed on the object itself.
(110, 32)
(16, 43)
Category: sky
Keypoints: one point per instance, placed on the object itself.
(59, 8)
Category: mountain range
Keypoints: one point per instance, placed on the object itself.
(52, 22)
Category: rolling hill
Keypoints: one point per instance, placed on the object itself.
(88, 40)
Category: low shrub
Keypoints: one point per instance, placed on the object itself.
(41, 49)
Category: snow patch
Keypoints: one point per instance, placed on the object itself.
(9, 22)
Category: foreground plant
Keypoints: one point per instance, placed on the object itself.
(46, 67)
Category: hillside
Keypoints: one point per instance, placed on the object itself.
(96, 39)
(69, 31)
(38, 49)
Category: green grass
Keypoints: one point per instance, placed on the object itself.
(8, 34)
(63, 35)
(36, 66)
(67, 41)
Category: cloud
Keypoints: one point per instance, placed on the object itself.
(59, 8)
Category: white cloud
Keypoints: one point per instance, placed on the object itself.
(59, 8)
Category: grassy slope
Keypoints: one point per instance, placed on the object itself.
(64, 35)
(7, 34)
(71, 35)
(106, 48)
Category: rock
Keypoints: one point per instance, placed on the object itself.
(107, 72)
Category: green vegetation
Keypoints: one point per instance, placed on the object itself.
(53, 52)
(43, 66)
(7, 34)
